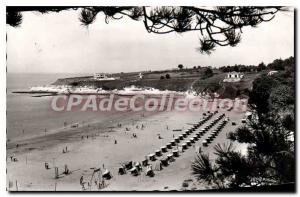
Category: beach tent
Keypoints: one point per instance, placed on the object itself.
(158, 165)
(163, 149)
(175, 153)
(211, 137)
(128, 164)
(149, 171)
(122, 170)
(138, 165)
(188, 143)
(173, 142)
(170, 157)
(164, 161)
(158, 153)
(204, 143)
(106, 174)
(134, 171)
(169, 145)
(151, 157)
(145, 162)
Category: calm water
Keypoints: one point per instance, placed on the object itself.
(33, 114)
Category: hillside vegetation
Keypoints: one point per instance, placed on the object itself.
(198, 79)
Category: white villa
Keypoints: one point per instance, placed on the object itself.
(103, 76)
(272, 72)
(141, 76)
(233, 77)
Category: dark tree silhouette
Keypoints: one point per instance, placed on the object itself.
(261, 67)
(218, 26)
(180, 66)
(269, 135)
(208, 73)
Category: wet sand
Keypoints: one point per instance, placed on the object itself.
(99, 150)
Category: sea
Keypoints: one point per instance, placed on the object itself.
(28, 116)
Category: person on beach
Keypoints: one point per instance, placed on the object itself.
(81, 181)
(46, 166)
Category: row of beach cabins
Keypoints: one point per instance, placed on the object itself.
(155, 161)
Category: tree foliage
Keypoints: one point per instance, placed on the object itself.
(207, 73)
(180, 66)
(218, 26)
(268, 133)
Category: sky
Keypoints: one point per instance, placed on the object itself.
(58, 43)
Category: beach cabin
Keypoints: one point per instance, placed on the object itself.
(158, 153)
(233, 77)
(134, 171)
(121, 170)
(170, 157)
(106, 174)
(149, 171)
(175, 153)
(163, 149)
(128, 165)
(169, 145)
(145, 162)
(188, 143)
(164, 161)
(173, 143)
(151, 157)
(272, 72)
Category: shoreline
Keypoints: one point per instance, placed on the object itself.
(99, 149)
(68, 131)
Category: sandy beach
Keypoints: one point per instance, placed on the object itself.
(105, 146)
